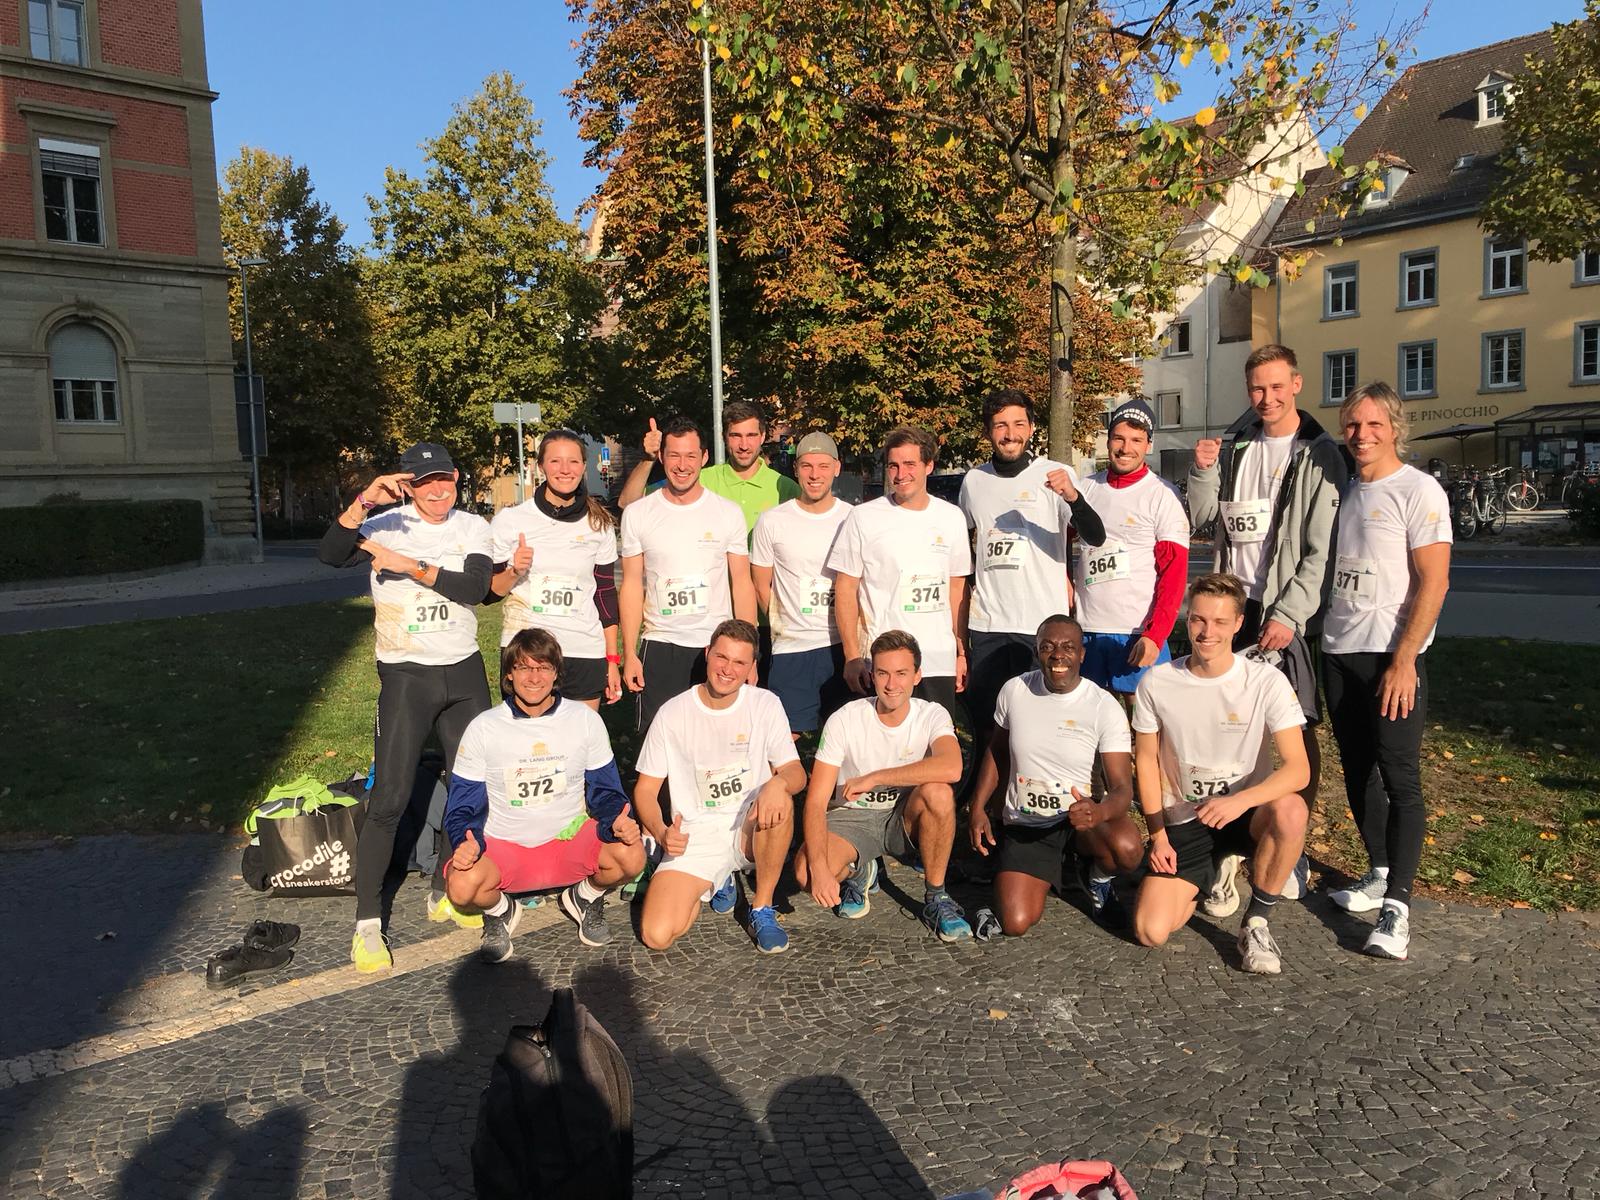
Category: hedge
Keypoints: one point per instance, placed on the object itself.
(57, 540)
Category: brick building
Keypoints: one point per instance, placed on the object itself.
(116, 364)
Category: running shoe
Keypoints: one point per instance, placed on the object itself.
(1101, 892)
(1257, 951)
(370, 952)
(497, 933)
(853, 894)
(882, 869)
(1364, 895)
(768, 934)
(945, 917)
(1391, 936)
(1299, 885)
(725, 897)
(1223, 899)
(441, 910)
(589, 915)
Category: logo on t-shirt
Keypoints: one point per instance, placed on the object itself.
(539, 749)
(1233, 722)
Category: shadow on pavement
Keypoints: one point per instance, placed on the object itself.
(261, 1161)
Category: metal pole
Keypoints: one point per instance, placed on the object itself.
(250, 407)
(519, 452)
(711, 247)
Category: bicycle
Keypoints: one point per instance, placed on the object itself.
(1478, 502)
(1522, 495)
(1573, 485)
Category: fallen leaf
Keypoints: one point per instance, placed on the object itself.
(1520, 904)
(1557, 746)
(1526, 858)
(998, 1014)
(1464, 877)
(1449, 753)
(1546, 836)
(329, 753)
(1429, 839)
(1567, 877)
(1476, 819)
(1505, 779)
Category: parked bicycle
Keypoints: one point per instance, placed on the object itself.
(1573, 485)
(1523, 495)
(1478, 502)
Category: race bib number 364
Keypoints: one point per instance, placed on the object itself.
(1105, 563)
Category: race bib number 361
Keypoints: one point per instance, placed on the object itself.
(687, 595)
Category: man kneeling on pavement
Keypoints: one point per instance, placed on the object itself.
(536, 803)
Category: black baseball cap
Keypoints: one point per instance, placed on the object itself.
(1134, 412)
(426, 458)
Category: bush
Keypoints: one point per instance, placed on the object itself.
(66, 538)
(1584, 509)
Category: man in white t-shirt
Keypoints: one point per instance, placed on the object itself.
(788, 560)
(536, 803)
(1129, 587)
(1391, 573)
(883, 783)
(685, 570)
(1052, 730)
(901, 562)
(1023, 512)
(1205, 727)
(725, 749)
(431, 564)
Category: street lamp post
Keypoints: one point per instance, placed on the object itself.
(250, 396)
(711, 249)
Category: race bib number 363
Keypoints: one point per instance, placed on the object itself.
(1246, 520)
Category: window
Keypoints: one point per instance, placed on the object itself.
(1178, 339)
(1494, 103)
(1169, 409)
(1505, 267)
(1338, 375)
(1502, 360)
(55, 30)
(83, 372)
(1586, 353)
(1417, 369)
(1419, 278)
(1586, 267)
(70, 172)
(1339, 291)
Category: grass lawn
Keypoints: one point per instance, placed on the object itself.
(180, 725)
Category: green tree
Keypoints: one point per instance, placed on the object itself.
(310, 335)
(1549, 187)
(1063, 98)
(483, 292)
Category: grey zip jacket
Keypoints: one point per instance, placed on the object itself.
(1300, 540)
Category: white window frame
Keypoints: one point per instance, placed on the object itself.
(1180, 327)
(1503, 352)
(80, 150)
(1177, 399)
(1430, 271)
(1496, 96)
(1431, 346)
(1515, 257)
(52, 31)
(64, 395)
(1586, 268)
(1345, 280)
(1328, 398)
(1585, 330)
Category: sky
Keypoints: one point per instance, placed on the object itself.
(349, 87)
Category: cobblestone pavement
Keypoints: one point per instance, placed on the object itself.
(868, 1061)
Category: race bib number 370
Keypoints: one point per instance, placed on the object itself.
(431, 614)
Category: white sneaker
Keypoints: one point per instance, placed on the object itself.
(1391, 936)
(1364, 895)
(1257, 950)
(1223, 899)
(1299, 880)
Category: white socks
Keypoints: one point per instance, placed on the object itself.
(500, 907)
(587, 891)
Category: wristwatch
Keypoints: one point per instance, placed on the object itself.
(420, 570)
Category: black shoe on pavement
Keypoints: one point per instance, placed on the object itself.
(238, 963)
(497, 931)
(270, 935)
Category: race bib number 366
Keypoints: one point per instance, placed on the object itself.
(723, 787)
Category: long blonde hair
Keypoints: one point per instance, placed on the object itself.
(1386, 398)
(600, 518)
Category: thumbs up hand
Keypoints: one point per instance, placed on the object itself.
(652, 440)
(675, 841)
(1084, 813)
(522, 558)
(467, 853)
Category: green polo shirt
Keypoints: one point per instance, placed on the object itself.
(763, 490)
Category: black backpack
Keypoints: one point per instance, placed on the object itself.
(556, 1121)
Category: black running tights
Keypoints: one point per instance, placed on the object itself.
(1382, 767)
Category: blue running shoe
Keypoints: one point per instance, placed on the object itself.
(768, 934)
(853, 892)
(1101, 892)
(879, 868)
(725, 897)
(945, 917)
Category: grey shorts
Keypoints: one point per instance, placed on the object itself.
(873, 832)
(1297, 661)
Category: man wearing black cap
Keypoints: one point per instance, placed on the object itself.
(1130, 587)
(431, 565)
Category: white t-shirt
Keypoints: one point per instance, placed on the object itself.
(1380, 524)
(1215, 733)
(415, 624)
(1247, 518)
(716, 760)
(1054, 739)
(557, 593)
(856, 740)
(794, 543)
(1116, 581)
(685, 548)
(533, 767)
(905, 559)
(1021, 571)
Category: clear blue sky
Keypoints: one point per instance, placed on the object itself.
(348, 87)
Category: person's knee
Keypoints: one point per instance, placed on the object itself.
(1148, 927)
(938, 799)
(1017, 919)
(461, 887)
(1127, 850)
(1289, 817)
(656, 933)
(628, 860)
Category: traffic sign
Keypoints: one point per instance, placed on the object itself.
(518, 414)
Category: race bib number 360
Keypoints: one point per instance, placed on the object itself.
(553, 595)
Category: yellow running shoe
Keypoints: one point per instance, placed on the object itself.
(441, 910)
(370, 953)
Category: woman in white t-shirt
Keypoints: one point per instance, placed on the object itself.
(557, 553)
(1391, 572)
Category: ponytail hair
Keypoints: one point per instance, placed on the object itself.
(600, 518)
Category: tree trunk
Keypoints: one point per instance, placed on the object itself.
(1063, 270)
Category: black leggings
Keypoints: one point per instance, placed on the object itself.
(1382, 767)
(412, 699)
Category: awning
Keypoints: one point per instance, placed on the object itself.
(1553, 412)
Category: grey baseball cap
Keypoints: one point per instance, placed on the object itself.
(817, 443)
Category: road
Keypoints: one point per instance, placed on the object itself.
(1533, 571)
